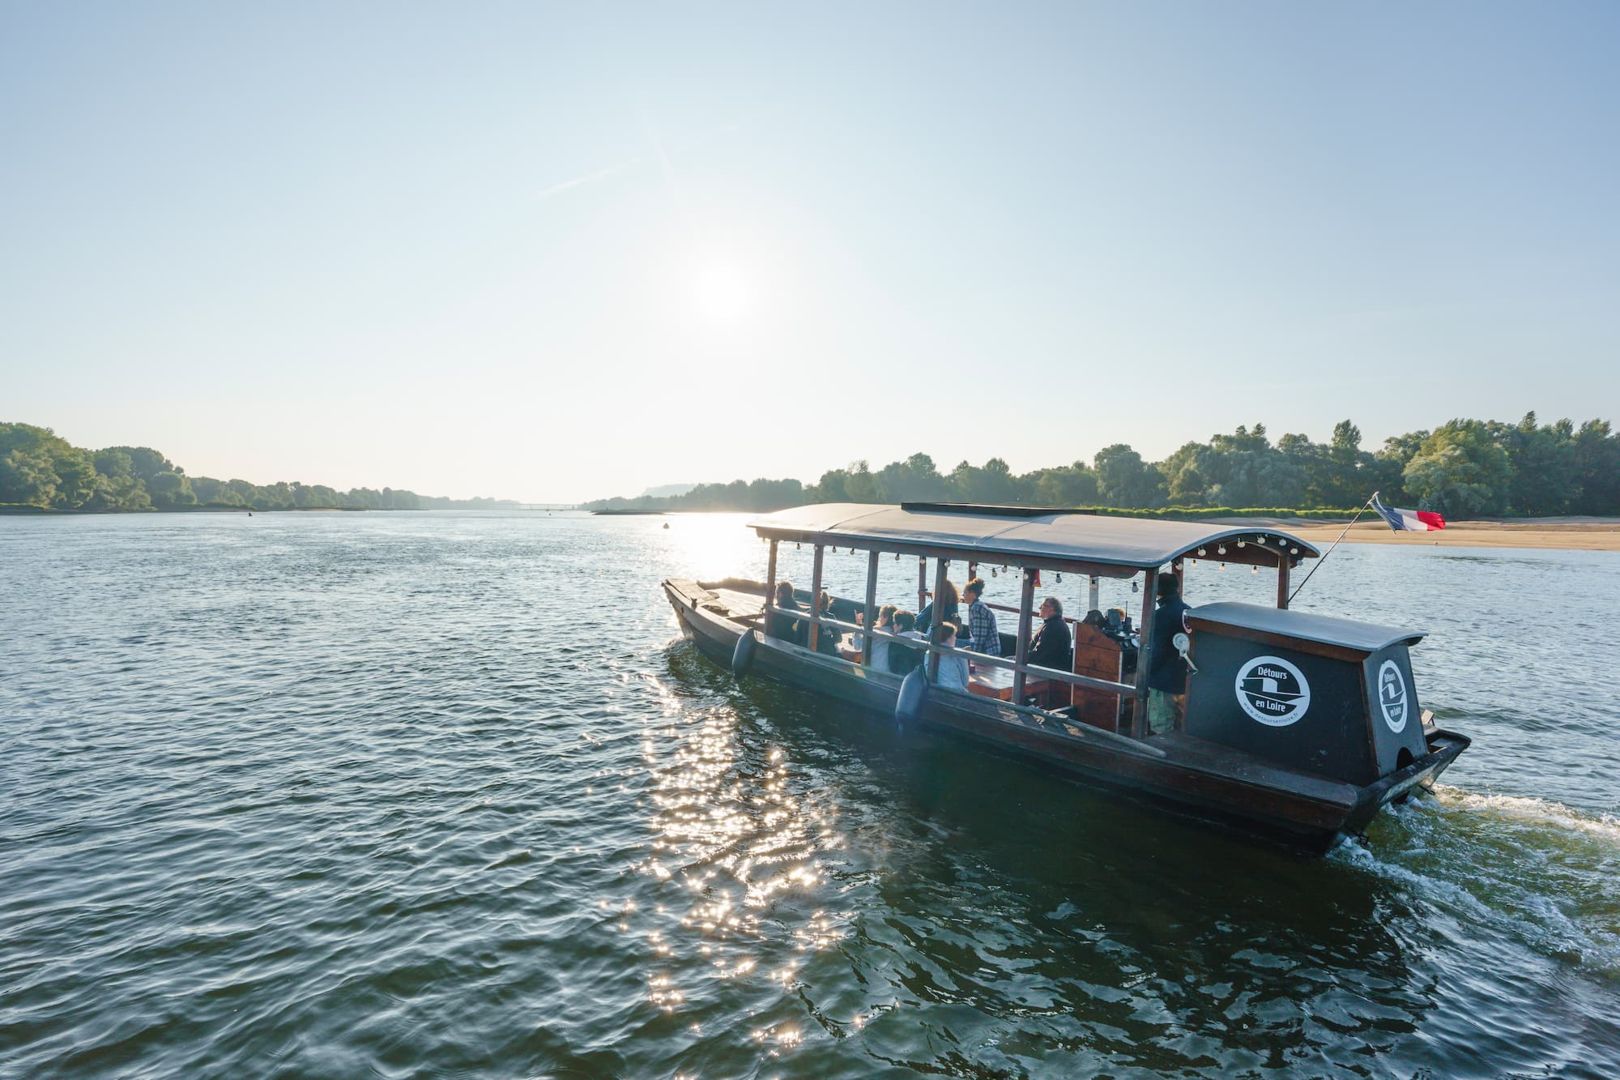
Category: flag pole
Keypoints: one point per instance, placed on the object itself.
(1331, 546)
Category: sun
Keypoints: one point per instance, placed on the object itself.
(722, 293)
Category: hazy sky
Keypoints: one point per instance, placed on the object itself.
(559, 251)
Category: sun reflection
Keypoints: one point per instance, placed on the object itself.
(712, 546)
(738, 858)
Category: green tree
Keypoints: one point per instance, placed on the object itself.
(859, 483)
(1597, 469)
(170, 491)
(1124, 480)
(211, 492)
(915, 479)
(1545, 476)
(27, 478)
(1066, 485)
(991, 484)
(1460, 470)
(1185, 478)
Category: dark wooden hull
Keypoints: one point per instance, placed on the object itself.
(1190, 774)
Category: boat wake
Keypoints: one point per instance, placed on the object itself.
(1531, 811)
(1535, 871)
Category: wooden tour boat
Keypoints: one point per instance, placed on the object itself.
(1294, 725)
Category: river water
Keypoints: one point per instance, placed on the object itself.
(445, 794)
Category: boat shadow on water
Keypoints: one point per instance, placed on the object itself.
(1447, 940)
(1088, 886)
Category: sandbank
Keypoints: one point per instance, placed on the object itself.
(1568, 534)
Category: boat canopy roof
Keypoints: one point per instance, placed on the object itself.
(1345, 633)
(1112, 546)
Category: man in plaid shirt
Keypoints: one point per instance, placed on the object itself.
(982, 635)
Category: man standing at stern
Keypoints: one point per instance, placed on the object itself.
(1167, 670)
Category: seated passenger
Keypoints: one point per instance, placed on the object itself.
(953, 669)
(982, 633)
(827, 637)
(880, 645)
(1051, 646)
(944, 607)
(903, 659)
(784, 626)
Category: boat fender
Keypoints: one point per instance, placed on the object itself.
(742, 657)
(913, 692)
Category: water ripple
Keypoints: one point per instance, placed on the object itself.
(444, 794)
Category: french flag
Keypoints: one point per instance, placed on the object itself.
(1408, 520)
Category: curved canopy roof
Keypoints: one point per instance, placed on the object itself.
(1032, 537)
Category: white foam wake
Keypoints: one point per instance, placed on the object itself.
(1531, 810)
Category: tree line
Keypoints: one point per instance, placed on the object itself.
(1464, 468)
(41, 470)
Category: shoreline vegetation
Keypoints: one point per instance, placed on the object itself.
(1464, 469)
(42, 473)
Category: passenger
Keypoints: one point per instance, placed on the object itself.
(880, 645)
(982, 633)
(1167, 670)
(827, 637)
(953, 669)
(947, 609)
(784, 626)
(903, 659)
(1051, 646)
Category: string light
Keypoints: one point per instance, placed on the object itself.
(1242, 544)
(1060, 579)
(1293, 551)
(1221, 550)
(1253, 570)
(1200, 553)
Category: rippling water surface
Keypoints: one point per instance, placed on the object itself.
(446, 795)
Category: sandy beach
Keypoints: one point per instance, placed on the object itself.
(1576, 534)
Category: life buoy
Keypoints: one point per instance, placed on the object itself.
(742, 657)
(913, 693)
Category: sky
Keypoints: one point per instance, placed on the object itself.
(555, 252)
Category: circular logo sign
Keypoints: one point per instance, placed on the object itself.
(1392, 696)
(1273, 691)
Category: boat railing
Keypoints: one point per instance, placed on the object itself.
(924, 645)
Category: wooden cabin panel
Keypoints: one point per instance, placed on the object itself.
(1097, 655)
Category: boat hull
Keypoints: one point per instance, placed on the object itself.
(1184, 774)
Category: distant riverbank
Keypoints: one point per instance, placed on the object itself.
(1564, 534)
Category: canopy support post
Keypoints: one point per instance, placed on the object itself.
(1144, 656)
(869, 618)
(938, 619)
(922, 583)
(815, 596)
(770, 586)
(1093, 597)
(1026, 601)
(1282, 579)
